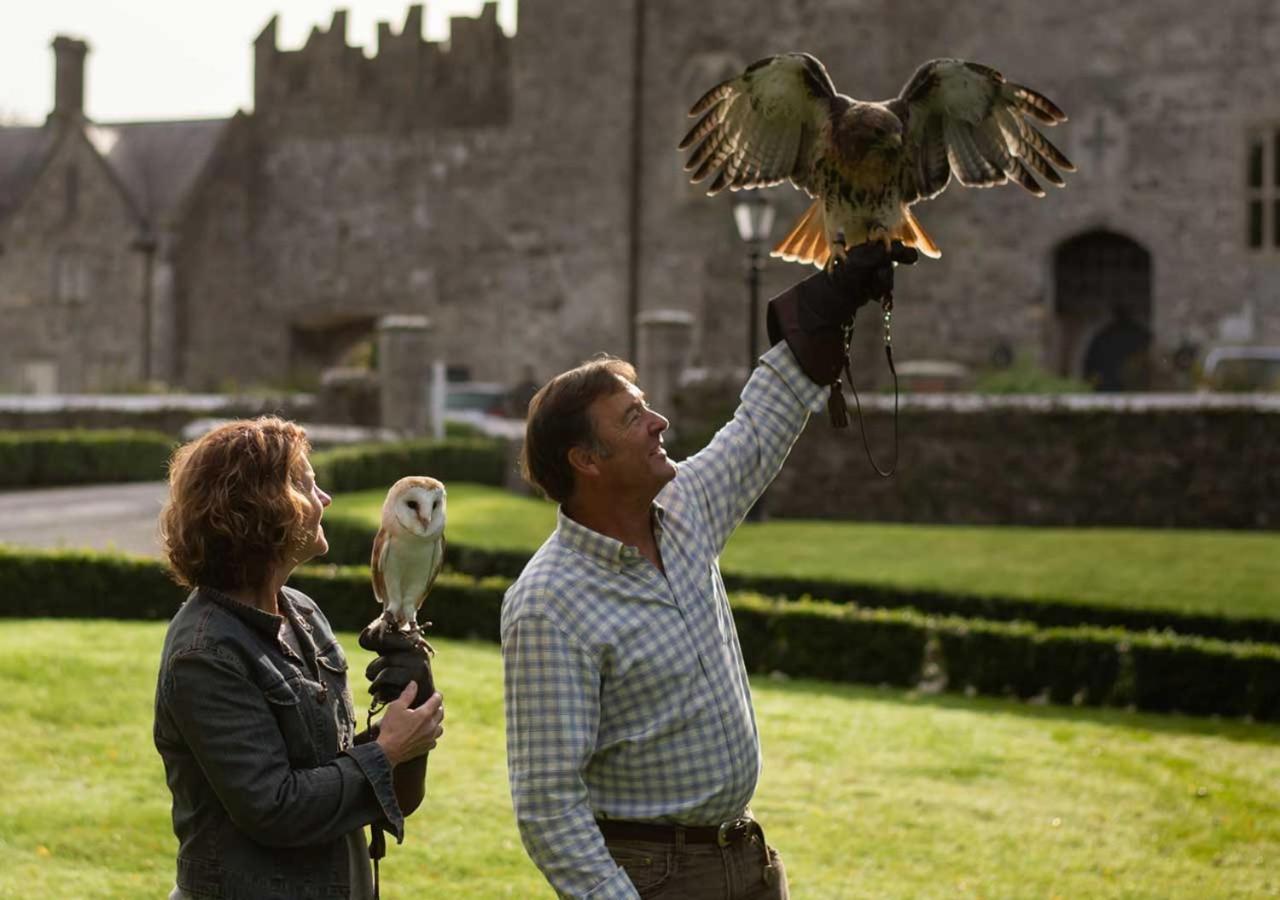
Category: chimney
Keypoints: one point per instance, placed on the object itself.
(68, 92)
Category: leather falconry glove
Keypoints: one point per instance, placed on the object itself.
(812, 315)
(401, 659)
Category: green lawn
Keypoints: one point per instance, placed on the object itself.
(1215, 572)
(866, 792)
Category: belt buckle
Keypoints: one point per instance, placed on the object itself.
(727, 831)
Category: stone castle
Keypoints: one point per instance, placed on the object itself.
(524, 193)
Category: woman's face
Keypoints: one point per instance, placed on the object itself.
(313, 543)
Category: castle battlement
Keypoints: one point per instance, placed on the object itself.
(409, 82)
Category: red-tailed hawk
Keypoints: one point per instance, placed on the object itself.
(866, 163)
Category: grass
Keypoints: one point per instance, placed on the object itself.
(1213, 572)
(866, 792)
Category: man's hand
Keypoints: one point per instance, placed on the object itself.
(402, 659)
(812, 315)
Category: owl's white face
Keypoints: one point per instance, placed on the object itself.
(420, 510)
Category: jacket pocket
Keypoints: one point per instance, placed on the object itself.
(297, 721)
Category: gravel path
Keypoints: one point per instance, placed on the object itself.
(103, 517)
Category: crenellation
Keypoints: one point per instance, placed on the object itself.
(410, 83)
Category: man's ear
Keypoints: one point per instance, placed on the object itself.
(583, 461)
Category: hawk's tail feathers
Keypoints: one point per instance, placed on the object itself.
(806, 242)
(912, 233)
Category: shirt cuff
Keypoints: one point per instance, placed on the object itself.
(616, 887)
(782, 361)
(377, 769)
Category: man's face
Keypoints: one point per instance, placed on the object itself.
(630, 435)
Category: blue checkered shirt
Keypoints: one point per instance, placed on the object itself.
(626, 694)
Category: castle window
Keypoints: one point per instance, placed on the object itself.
(70, 276)
(1262, 190)
(71, 198)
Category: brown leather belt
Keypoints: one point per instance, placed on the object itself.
(724, 834)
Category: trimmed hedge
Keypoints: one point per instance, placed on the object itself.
(84, 584)
(82, 456)
(838, 642)
(364, 466)
(351, 543)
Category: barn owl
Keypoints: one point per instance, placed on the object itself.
(866, 163)
(409, 549)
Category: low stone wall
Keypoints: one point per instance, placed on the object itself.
(1187, 461)
(167, 413)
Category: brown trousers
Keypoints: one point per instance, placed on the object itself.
(746, 869)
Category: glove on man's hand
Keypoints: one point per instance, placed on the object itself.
(401, 658)
(811, 316)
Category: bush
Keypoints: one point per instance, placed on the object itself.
(834, 643)
(1025, 376)
(351, 543)
(1068, 664)
(1162, 673)
(1204, 677)
(47, 458)
(83, 584)
(365, 466)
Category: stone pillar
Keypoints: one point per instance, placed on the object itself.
(666, 341)
(162, 317)
(405, 355)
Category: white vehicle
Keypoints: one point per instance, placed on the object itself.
(1241, 369)
(484, 405)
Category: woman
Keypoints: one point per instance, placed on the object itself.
(271, 785)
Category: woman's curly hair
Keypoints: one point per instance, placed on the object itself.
(236, 506)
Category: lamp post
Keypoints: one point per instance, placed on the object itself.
(753, 214)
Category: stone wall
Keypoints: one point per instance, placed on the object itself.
(71, 282)
(1149, 460)
(1138, 460)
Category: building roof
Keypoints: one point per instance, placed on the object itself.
(158, 163)
(23, 150)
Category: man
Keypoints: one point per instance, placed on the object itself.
(632, 746)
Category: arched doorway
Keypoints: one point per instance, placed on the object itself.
(1102, 310)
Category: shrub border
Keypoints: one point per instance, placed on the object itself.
(55, 457)
(351, 542)
(803, 638)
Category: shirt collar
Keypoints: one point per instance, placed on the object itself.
(257, 619)
(609, 552)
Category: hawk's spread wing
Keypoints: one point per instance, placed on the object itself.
(965, 118)
(760, 128)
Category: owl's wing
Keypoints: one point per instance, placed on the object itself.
(378, 565)
(762, 127)
(439, 563)
(422, 586)
(964, 118)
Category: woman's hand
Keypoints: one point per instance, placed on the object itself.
(405, 733)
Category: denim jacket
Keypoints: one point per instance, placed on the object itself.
(258, 753)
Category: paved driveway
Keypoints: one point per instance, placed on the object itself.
(104, 517)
